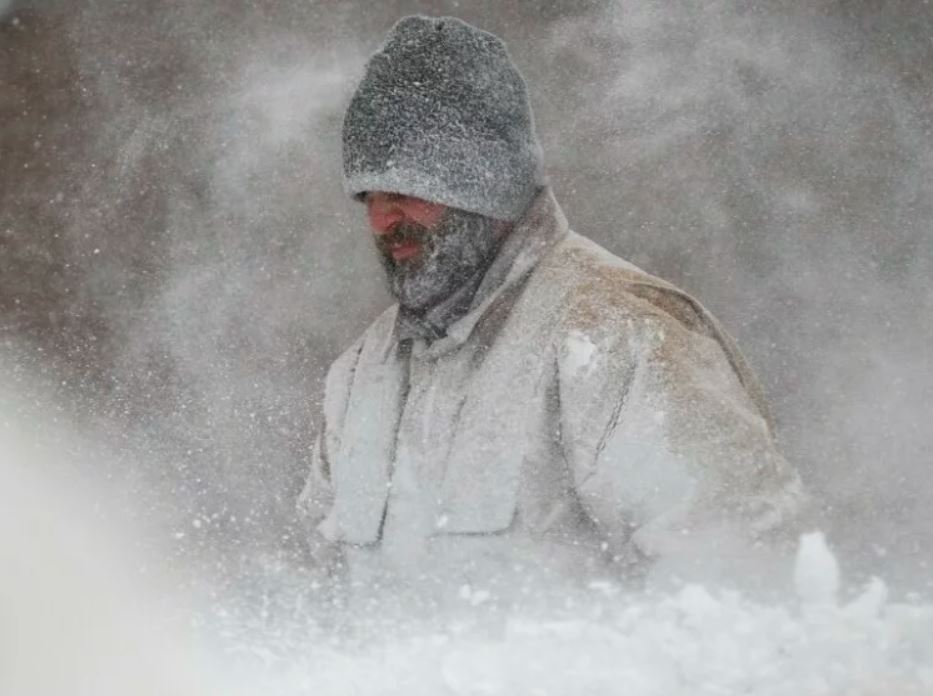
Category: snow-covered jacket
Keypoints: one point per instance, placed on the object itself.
(582, 415)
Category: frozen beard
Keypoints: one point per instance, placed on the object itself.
(452, 254)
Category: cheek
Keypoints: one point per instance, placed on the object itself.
(426, 214)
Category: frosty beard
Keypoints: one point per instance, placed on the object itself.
(452, 253)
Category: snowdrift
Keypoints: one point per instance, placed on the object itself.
(75, 620)
(690, 642)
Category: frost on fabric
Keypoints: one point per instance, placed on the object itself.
(580, 353)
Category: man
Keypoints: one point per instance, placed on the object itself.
(532, 406)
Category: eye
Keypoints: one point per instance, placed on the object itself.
(386, 197)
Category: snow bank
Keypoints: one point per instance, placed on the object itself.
(691, 642)
(75, 619)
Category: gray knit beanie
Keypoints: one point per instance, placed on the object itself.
(442, 114)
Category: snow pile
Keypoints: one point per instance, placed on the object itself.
(694, 641)
(76, 617)
(816, 572)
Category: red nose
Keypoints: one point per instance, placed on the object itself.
(384, 215)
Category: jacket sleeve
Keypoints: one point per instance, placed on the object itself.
(317, 496)
(668, 452)
(316, 501)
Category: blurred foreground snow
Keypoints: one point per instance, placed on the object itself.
(75, 620)
(695, 641)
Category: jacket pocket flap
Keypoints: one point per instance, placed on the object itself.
(479, 497)
(461, 518)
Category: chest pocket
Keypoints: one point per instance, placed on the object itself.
(480, 492)
(477, 450)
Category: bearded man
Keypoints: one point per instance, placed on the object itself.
(532, 407)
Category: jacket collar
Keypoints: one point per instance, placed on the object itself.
(541, 227)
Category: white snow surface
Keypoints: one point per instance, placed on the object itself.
(816, 571)
(692, 641)
(74, 619)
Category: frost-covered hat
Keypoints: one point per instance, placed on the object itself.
(442, 114)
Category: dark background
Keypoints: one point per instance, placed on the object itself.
(179, 264)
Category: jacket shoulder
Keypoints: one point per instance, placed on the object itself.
(602, 292)
(602, 287)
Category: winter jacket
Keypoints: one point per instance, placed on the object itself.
(584, 416)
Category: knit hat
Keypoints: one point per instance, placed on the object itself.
(442, 114)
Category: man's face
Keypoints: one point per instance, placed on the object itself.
(389, 211)
(427, 249)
